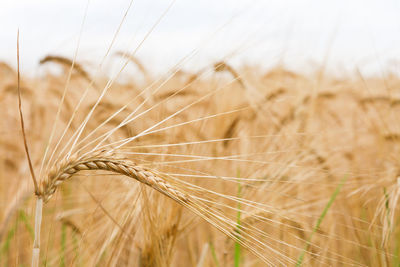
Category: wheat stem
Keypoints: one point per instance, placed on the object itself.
(38, 223)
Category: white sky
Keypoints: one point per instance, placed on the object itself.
(300, 33)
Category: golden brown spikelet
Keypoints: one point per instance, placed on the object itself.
(67, 63)
(177, 93)
(12, 89)
(280, 73)
(192, 78)
(392, 137)
(326, 95)
(66, 169)
(230, 130)
(223, 66)
(375, 99)
(138, 64)
(71, 225)
(273, 95)
(6, 70)
(322, 161)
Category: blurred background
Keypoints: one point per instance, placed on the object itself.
(301, 35)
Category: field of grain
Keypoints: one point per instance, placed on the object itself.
(243, 167)
(116, 163)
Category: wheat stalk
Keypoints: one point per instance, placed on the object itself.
(223, 66)
(101, 161)
(137, 62)
(107, 162)
(67, 63)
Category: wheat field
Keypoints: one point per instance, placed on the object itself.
(227, 166)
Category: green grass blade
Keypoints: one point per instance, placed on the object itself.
(213, 253)
(237, 254)
(387, 206)
(6, 246)
(320, 219)
(63, 244)
(24, 218)
(76, 249)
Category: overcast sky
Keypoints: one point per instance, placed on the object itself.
(301, 34)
